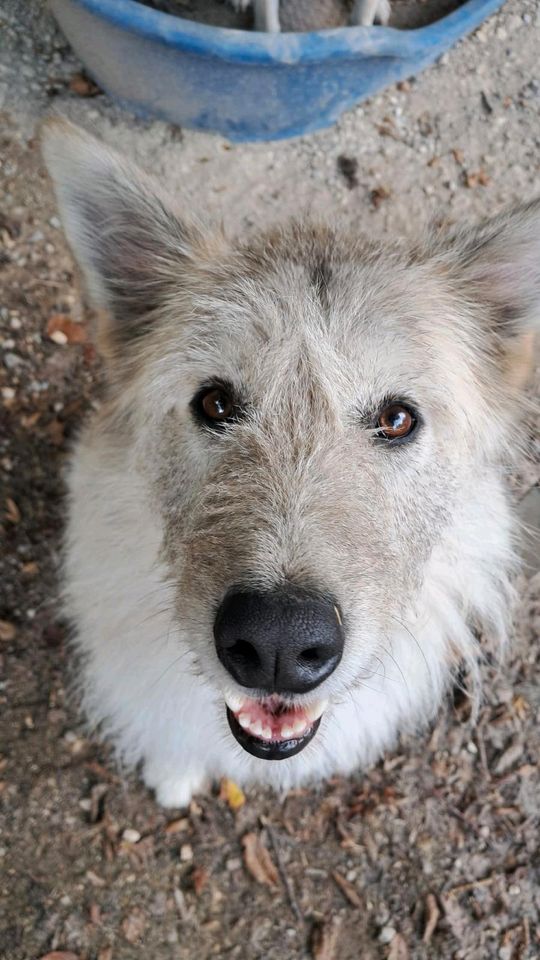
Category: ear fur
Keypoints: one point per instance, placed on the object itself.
(496, 267)
(129, 241)
(499, 263)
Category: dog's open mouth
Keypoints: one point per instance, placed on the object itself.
(271, 730)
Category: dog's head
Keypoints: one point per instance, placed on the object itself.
(320, 422)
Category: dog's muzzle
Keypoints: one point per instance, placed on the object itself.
(278, 644)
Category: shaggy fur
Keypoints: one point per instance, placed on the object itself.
(315, 330)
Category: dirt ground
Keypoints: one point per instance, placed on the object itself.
(432, 854)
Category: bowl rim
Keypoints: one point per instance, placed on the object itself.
(250, 47)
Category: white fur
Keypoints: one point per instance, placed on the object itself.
(139, 681)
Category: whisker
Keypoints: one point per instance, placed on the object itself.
(412, 636)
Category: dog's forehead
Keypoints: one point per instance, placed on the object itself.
(356, 307)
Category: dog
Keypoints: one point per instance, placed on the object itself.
(288, 520)
(274, 15)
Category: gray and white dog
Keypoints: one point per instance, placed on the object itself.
(288, 519)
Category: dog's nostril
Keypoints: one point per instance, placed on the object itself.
(313, 655)
(244, 652)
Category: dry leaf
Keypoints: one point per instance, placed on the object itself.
(398, 948)
(55, 432)
(134, 925)
(7, 631)
(509, 758)
(95, 913)
(323, 941)
(60, 955)
(388, 129)
(199, 878)
(232, 794)
(177, 826)
(94, 879)
(458, 156)
(479, 178)
(378, 194)
(61, 329)
(521, 706)
(29, 420)
(83, 86)
(13, 514)
(432, 917)
(349, 892)
(258, 861)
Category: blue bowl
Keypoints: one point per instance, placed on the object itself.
(242, 84)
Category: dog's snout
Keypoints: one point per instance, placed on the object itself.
(282, 642)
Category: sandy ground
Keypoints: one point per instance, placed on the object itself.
(432, 854)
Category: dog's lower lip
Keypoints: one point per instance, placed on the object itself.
(270, 749)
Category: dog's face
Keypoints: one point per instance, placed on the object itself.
(318, 422)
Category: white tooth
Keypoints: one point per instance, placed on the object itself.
(287, 733)
(298, 727)
(234, 702)
(256, 729)
(244, 720)
(266, 732)
(316, 709)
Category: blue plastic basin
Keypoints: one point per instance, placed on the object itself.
(246, 85)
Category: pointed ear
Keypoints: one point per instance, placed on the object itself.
(499, 263)
(124, 232)
(496, 266)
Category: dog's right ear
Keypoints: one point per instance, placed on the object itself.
(131, 244)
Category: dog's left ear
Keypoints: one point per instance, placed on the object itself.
(497, 266)
(134, 248)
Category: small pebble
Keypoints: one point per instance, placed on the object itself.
(387, 934)
(58, 337)
(12, 361)
(131, 836)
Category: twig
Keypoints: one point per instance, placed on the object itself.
(282, 872)
(464, 887)
(526, 937)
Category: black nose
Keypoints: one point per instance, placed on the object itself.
(283, 642)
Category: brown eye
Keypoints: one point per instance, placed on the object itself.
(396, 422)
(215, 406)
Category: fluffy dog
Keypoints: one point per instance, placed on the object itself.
(288, 520)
